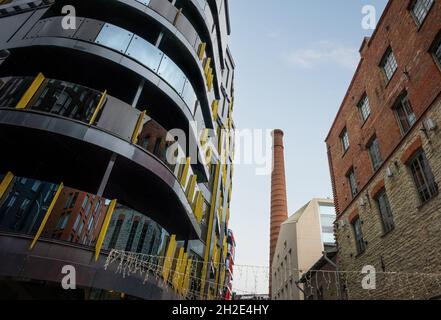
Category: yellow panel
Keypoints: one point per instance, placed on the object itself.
(199, 207)
(98, 107)
(185, 172)
(29, 94)
(138, 126)
(204, 136)
(210, 229)
(4, 185)
(46, 217)
(186, 281)
(176, 274)
(169, 257)
(104, 228)
(207, 67)
(215, 109)
(192, 187)
(181, 269)
(201, 51)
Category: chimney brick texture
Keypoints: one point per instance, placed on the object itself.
(279, 207)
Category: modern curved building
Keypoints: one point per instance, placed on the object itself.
(116, 133)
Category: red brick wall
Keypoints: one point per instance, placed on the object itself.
(397, 29)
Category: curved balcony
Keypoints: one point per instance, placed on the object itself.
(73, 131)
(75, 221)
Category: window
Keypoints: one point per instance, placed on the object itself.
(76, 222)
(436, 50)
(115, 235)
(423, 177)
(86, 199)
(132, 235)
(65, 220)
(344, 137)
(389, 64)
(35, 186)
(374, 151)
(387, 217)
(365, 108)
(352, 182)
(90, 224)
(420, 9)
(88, 209)
(361, 245)
(406, 117)
(142, 238)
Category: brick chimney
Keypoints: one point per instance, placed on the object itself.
(279, 207)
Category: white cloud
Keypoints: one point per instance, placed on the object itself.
(323, 52)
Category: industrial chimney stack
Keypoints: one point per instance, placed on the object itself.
(279, 207)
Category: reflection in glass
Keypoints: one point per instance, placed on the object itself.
(153, 138)
(66, 99)
(145, 53)
(114, 37)
(12, 89)
(327, 219)
(24, 205)
(132, 231)
(171, 73)
(72, 209)
(189, 96)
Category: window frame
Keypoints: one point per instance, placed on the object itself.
(426, 183)
(361, 104)
(434, 48)
(352, 188)
(360, 243)
(384, 61)
(374, 141)
(415, 17)
(404, 103)
(387, 218)
(344, 140)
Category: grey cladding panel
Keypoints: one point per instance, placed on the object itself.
(89, 30)
(9, 25)
(119, 118)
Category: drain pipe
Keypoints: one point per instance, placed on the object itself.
(325, 255)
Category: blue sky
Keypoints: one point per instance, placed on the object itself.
(294, 62)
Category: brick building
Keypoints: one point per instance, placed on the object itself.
(385, 159)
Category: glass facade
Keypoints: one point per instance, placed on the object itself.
(327, 219)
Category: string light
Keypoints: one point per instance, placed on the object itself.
(394, 284)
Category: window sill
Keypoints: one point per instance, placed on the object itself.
(345, 152)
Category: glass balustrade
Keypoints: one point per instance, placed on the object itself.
(145, 53)
(114, 37)
(12, 89)
(151, 57)
(24, 205)
(77, 102)
(77, 217)
(66, 99)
